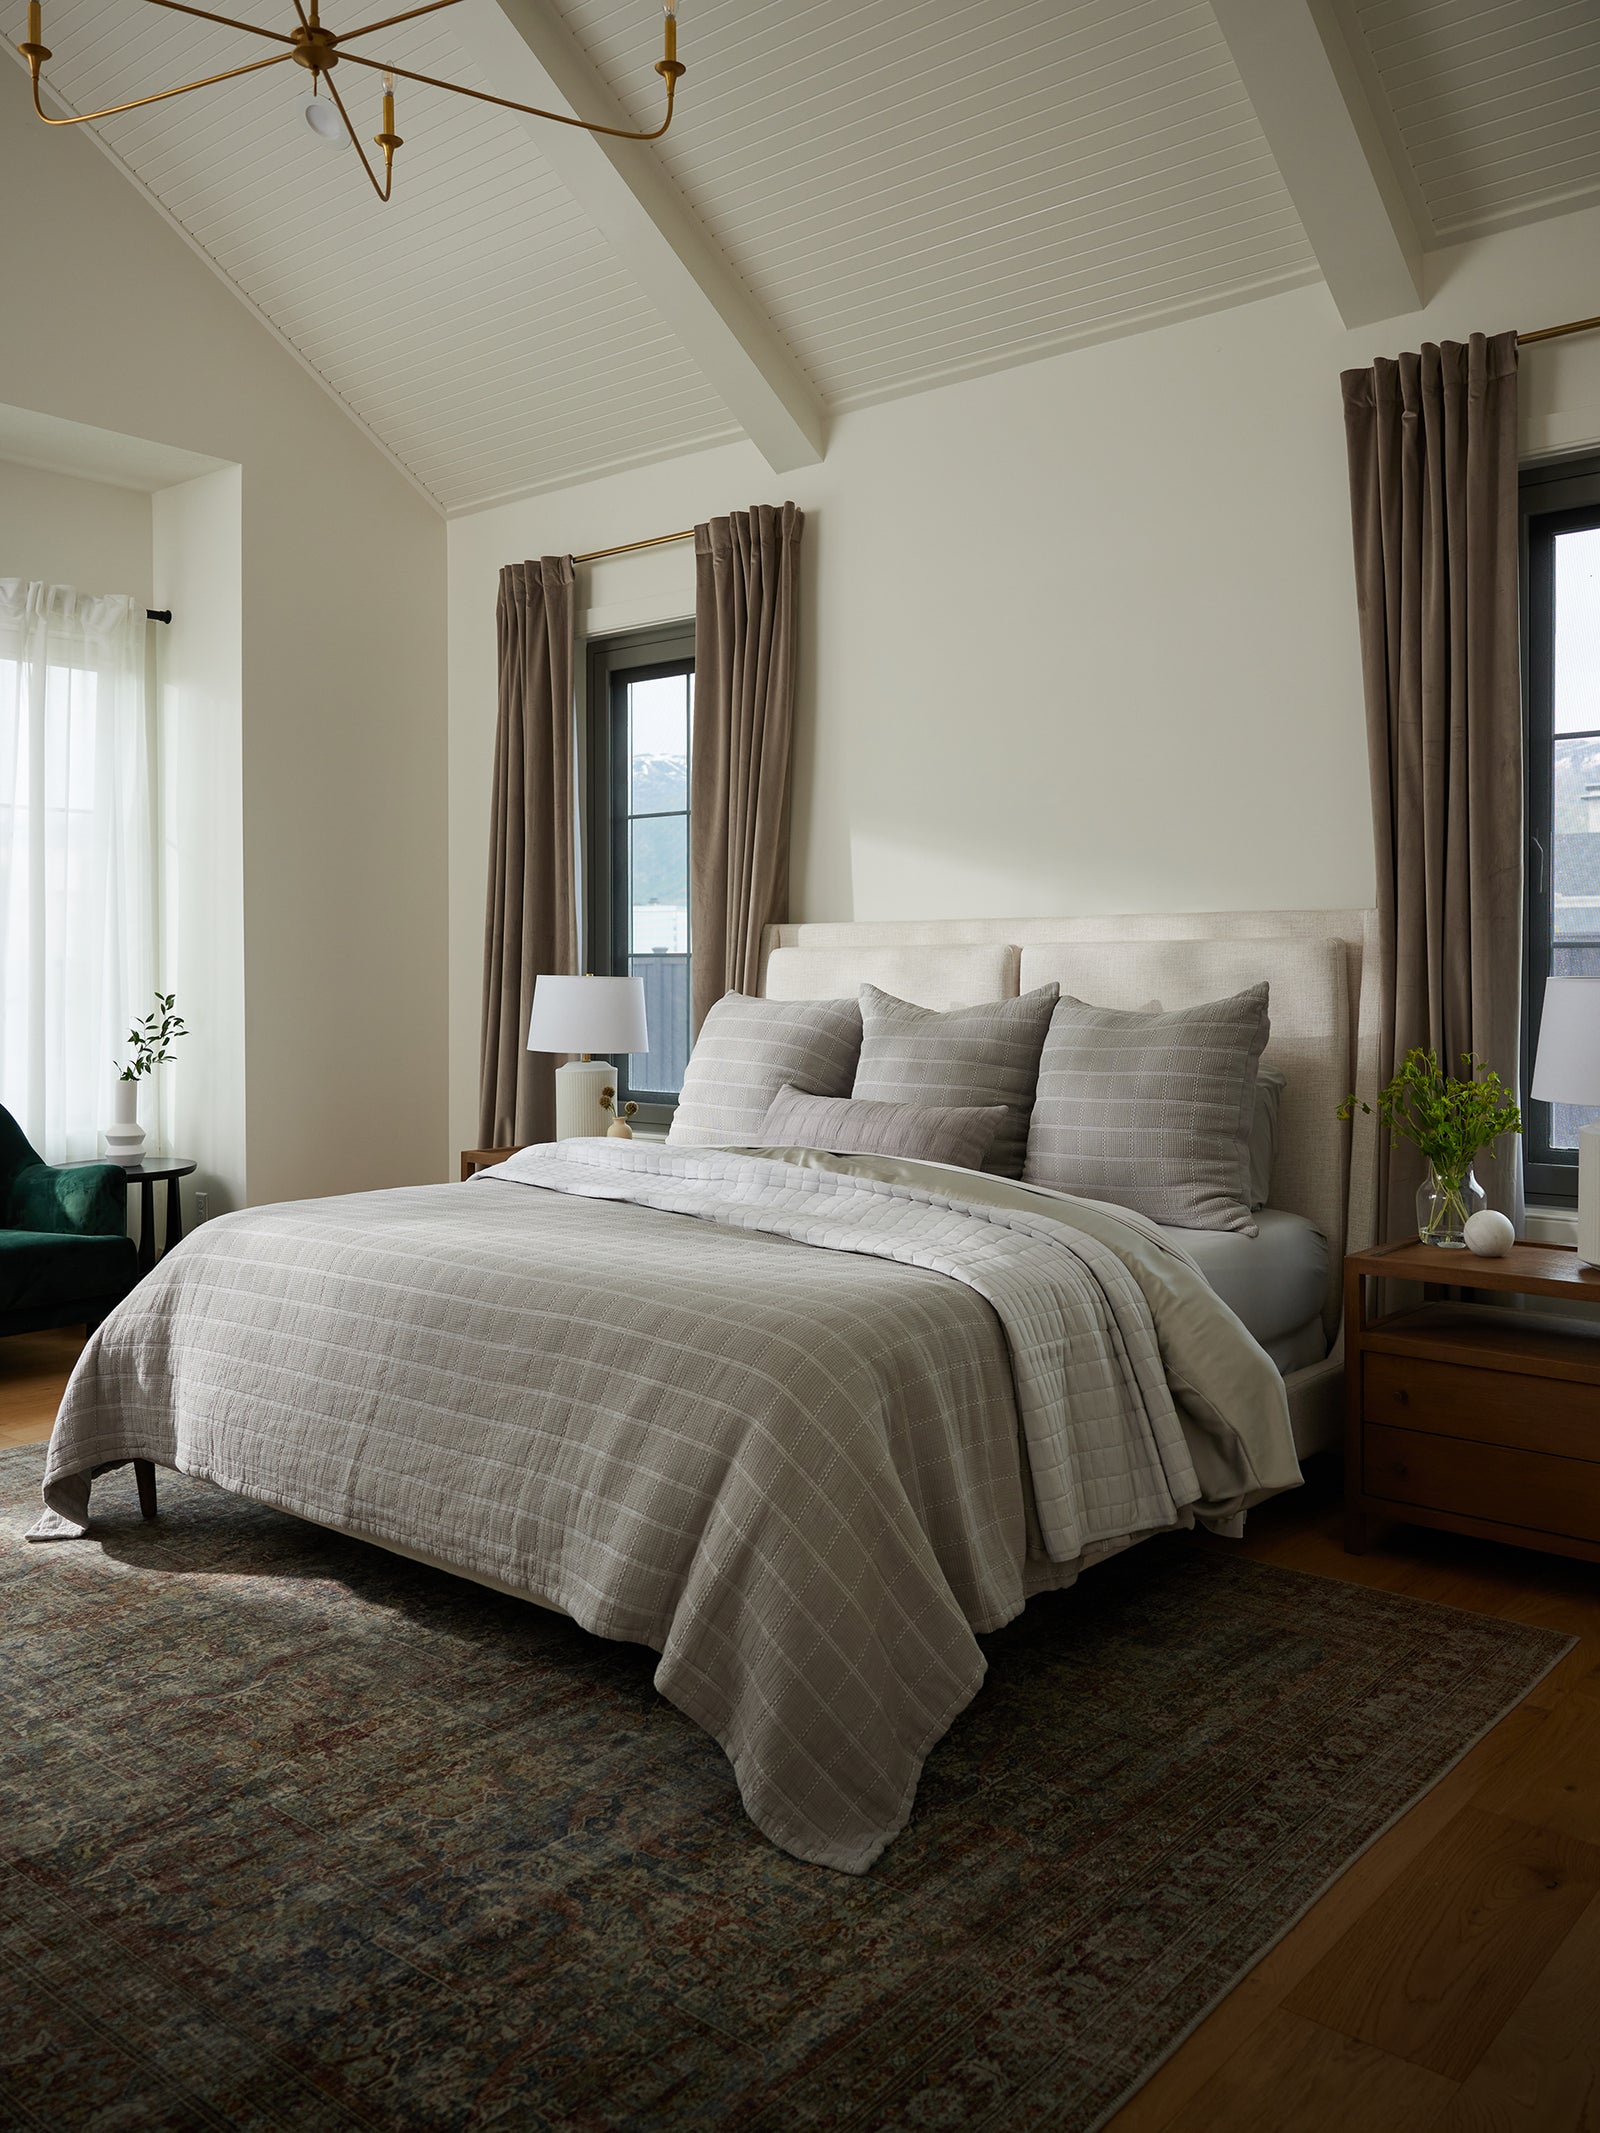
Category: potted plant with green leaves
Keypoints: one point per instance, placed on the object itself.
(150, 1045)
(1451, 1120)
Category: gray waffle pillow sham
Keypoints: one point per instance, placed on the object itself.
(749, 1049)
(1152, 1111)
(962, 1056)
(854, 1125)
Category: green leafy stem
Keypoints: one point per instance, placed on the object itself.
(152, 1038)
(1450, 1120)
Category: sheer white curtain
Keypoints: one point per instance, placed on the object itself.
(77, 910)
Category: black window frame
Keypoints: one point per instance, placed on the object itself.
(1555, 498)
(612, 663)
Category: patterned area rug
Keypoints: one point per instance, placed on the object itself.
(300, 1835)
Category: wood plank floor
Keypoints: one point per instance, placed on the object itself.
(1450, 1982)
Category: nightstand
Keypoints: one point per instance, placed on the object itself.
(1471, 1418)
(482, 1159)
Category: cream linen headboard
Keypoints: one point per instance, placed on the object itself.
(1321, 966)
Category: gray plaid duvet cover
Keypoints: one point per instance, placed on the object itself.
(802, 1425)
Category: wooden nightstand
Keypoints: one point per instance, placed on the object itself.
(482, 1159)
(1474, 1419)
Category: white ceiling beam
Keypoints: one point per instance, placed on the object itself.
(1302, 78)
(527, 53)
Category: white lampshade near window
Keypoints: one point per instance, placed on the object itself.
(1567, 1071)
(586, 1015)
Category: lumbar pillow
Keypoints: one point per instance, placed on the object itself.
(749, 1049)
(854, 1125)
(1152, 1111)
(963, 1056)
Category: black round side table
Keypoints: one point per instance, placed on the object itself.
(147, 1173)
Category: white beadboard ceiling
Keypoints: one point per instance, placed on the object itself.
(916, 191)
(910, 190)
(1493, 105)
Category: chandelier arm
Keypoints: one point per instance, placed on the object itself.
(617, 133)
(138, 103)
(179, 7)
(383, 191)
(388, 22)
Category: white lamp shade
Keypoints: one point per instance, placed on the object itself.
(587, 1015)
(1567, 1070)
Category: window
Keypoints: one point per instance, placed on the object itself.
(77, 856)
(636, 847)
(1561, 654)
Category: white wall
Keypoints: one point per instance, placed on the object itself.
(67, 531)
(1077, 637)
(199, 569)
(342, 737)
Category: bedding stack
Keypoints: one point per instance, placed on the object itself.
(1171, 1114)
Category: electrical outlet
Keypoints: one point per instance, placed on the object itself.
(202, 1205)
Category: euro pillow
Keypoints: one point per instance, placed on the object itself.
(1152, 1110)
(748, 1050)
(856, 1125)
(1270, 1085)
(961, 1056)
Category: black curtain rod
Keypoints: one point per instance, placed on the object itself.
(158, 614)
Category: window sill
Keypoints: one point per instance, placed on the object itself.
(1551, 1224)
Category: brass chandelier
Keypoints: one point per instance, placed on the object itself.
(318, 49)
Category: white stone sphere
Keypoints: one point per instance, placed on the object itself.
(1488, 1234)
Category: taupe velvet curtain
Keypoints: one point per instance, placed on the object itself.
(532, 923)
(746, 614)
(1432, 441)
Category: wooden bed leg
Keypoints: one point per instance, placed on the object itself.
(144, 1474)
(1355, 1530)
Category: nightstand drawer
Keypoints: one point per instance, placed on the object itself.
(1489, 1406)
(1484, 1481)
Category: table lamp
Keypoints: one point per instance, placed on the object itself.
(586, 1015)
(1567, 1071)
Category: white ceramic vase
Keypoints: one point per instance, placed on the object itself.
(125, 1138)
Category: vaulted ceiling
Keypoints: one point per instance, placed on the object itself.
(858, 199)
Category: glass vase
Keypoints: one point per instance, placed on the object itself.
(1444, 1202)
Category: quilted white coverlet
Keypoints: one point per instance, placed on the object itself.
(801, 1425)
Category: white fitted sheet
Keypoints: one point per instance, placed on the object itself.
(1275, 1281)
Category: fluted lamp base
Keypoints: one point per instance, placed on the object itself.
(578, 1087)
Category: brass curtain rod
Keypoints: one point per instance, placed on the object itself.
(656, 540)
(1556, 333)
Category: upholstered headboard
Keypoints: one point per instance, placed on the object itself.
(1321, 966)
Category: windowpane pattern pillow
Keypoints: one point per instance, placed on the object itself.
(749, 1049)
(853, 1125)
(966, 1055)
(1152, 1111)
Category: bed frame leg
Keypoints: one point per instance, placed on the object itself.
(144, 1474)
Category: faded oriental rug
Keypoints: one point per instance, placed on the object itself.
(298, 1835)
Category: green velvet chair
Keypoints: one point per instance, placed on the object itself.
(65, 1253)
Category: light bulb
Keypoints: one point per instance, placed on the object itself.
(325, 122)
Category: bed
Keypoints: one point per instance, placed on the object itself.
(807, 1426)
